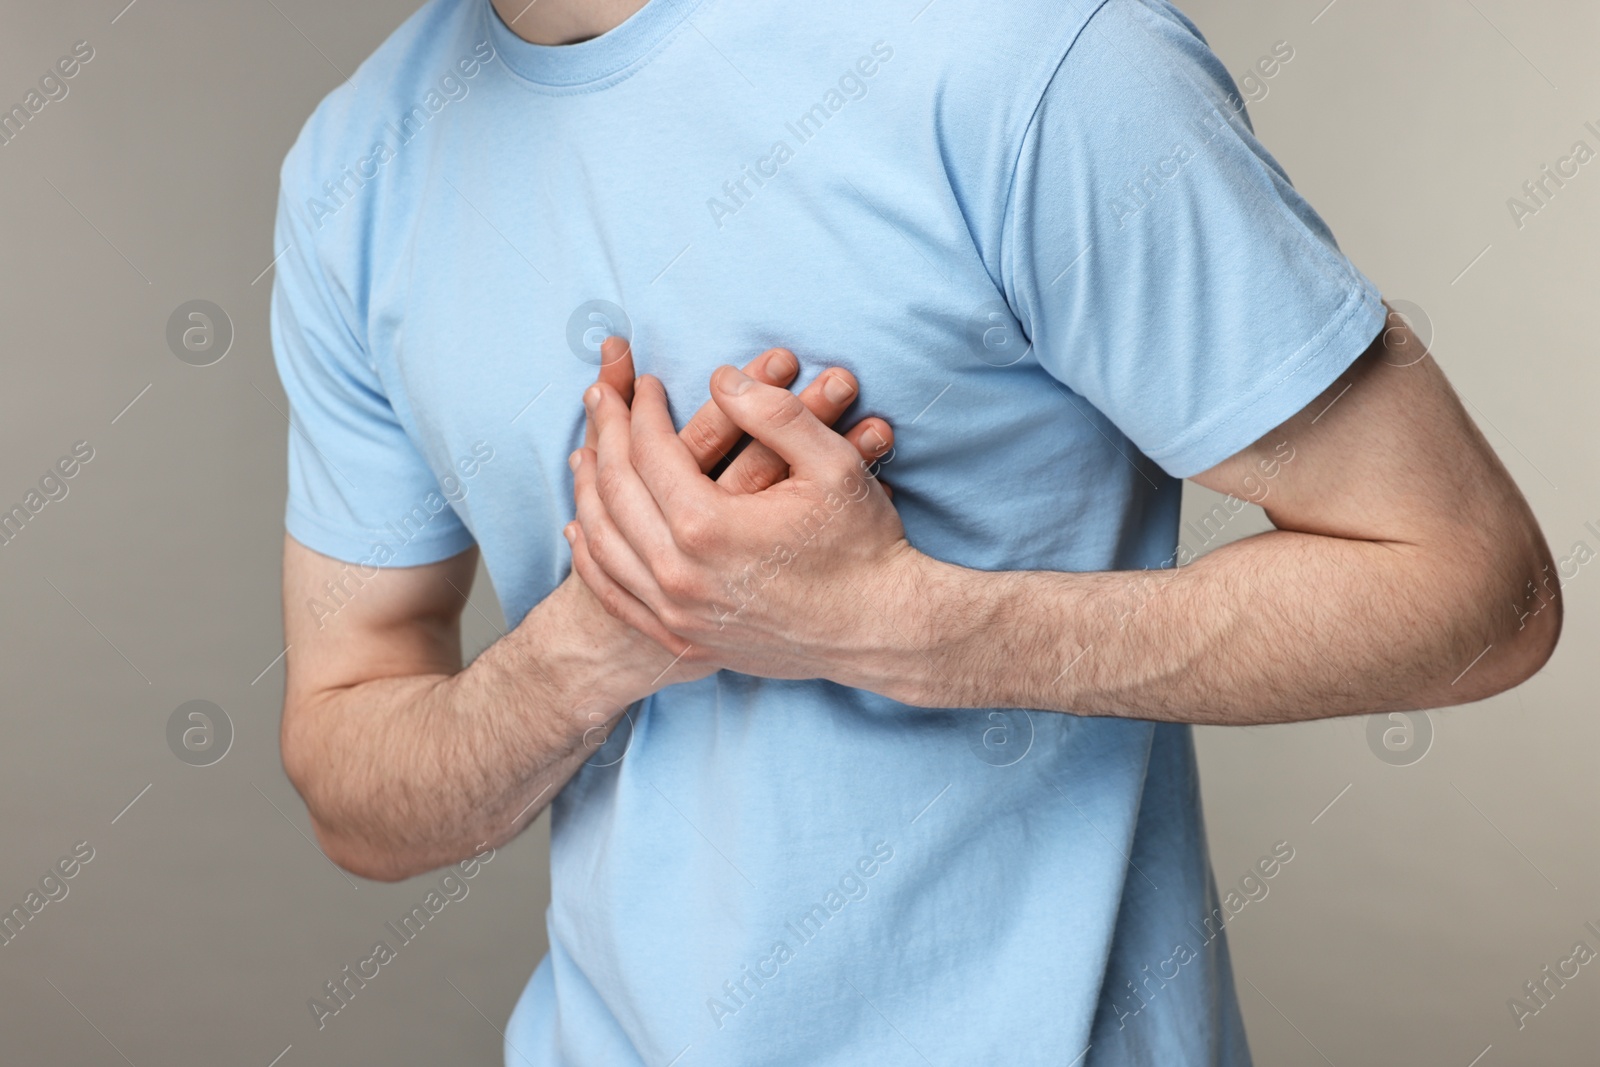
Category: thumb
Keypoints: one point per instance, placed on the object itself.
(780, 420)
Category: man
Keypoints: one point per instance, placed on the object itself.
(900, 780)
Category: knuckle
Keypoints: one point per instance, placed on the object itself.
(611, 600)
(688, 587)
(784, 410)
(751, 478)
(608, 482)
(598, 546)
(702, 439)
(638, 454)
(694, 532)
(671, 578)
(677, 619)
(688, 619)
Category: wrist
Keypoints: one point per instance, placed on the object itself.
(939, 624)
(587, 666)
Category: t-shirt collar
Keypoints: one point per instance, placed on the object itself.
(569, 66)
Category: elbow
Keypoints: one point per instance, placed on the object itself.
(362, 855)
(362, 859)
(1525, 626)
(1539, 613)
(350, 825)
(1528, 648)
(337, 835)
(1538, 627)
(305, 767)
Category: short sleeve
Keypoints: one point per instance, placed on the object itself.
(359, 490)
(1159, 259)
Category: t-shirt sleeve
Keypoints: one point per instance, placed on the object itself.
(1157, 256)
(359, 490)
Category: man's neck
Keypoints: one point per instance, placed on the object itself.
(564, 21)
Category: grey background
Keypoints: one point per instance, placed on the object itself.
(1417, 903)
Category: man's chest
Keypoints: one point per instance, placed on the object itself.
(488, 303)
(488, 321)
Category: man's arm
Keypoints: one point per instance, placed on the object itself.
(406, 760)
(1407, 571)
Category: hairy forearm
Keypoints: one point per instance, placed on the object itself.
(1279, 627)
(405, 774)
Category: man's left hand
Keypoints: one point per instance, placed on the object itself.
(810, 578)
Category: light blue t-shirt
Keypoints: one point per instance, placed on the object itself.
(1045, 239)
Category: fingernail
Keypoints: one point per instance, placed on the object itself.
(735, 381)
(838, 389)
(591, 397)
(780, 366)
(566, 531)
(574, 459)
(875, 441)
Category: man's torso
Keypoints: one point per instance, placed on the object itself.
(788, 872)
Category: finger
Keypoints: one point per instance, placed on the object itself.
(663, 463)
(618, 602)
(778, 419)
(873, 439)
(616, 365)
(629, 506)
(710, 434)
(758, 466)
(616, 370)
(606, 543)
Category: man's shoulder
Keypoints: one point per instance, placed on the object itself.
(427, 62)
(989, 66)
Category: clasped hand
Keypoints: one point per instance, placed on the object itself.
(796, 580)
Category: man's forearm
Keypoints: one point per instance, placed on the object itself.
(405, 774)
(1279, 627)
(1406, 570)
